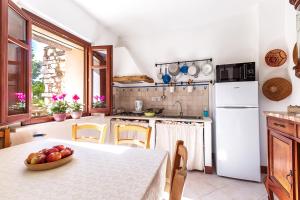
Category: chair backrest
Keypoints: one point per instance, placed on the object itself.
(145, 131)
(102, 128)
(5, 136)
(179, 172)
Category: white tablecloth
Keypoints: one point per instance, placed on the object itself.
(96, 172)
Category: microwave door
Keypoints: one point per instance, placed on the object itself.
(236, 73)
(224, 74)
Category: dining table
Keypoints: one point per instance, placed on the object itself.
(96, 171)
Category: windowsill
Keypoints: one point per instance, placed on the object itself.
(45, 119)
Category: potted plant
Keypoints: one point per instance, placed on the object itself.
(59, 107)
(100, 101)
(76, 107)
(21, 104)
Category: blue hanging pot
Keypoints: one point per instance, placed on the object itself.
(184, 69)
(166, 77)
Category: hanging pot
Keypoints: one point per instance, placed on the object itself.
(207, 68)
(184, 69)
(166, 77)
(174, 69)
(194, 70)
(159, 74)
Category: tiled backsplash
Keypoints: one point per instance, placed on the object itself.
(192, 103)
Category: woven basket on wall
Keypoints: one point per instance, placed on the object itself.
(276, 58)
(277, 89)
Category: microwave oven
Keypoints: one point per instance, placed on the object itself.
(235, 72)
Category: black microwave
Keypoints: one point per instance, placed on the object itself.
(235, 72)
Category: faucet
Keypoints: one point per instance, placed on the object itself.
(178, 102)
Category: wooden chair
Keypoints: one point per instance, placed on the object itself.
(102, 128)
(5, 135)
(178, 174)
(138, 129)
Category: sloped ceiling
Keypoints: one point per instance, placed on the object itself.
(143, 17)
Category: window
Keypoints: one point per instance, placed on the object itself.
(17, 64)
(39, 59)
(57, 67)
(100, 73)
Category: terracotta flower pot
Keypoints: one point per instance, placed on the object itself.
(76, 115)
(59, 117)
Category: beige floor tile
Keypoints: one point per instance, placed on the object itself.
(212, 187)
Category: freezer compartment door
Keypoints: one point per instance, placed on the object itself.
(237, 143)
(237, 94)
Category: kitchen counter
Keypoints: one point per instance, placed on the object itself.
(203, 120)
(284, 115)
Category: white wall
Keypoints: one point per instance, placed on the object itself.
(277, 30)
(72, 18)
(232, 40)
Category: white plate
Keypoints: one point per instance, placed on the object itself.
(207, 69)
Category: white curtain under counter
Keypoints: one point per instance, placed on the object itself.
(167, 133)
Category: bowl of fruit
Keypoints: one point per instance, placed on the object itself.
(49, 158)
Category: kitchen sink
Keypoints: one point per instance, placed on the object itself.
(181, 117)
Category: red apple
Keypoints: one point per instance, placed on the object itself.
(52, 150)
(30, 157)
(44, 151)
(65, 152)
(70, 149)
(53, 156)
(59, 147)
(38, 158)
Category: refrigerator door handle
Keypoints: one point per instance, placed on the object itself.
(238, 107)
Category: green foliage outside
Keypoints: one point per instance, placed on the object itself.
(38, 86)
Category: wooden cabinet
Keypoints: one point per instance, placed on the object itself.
(283, 147)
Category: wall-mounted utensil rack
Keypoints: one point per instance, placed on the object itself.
(181, 62)
(185, 83)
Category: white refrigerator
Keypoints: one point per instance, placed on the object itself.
(237, 130)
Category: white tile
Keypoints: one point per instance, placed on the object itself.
(212, 187)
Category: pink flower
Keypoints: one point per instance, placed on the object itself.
(21, 97)
(102, 98)
(76, 98)
(62, 96)
(96, 98)
(54, 97)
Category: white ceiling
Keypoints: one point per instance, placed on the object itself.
(143, 17)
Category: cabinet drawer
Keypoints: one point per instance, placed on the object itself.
(282, 125)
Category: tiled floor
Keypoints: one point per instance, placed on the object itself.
(199, 186)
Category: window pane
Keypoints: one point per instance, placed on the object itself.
(99, 57)
(99, 88)
(16, 25)
(57, 67)
(17, 80)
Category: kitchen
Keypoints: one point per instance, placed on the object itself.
(226, 86)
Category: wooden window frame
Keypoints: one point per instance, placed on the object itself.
(45, 25)
(109, 66)
(5, 38)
